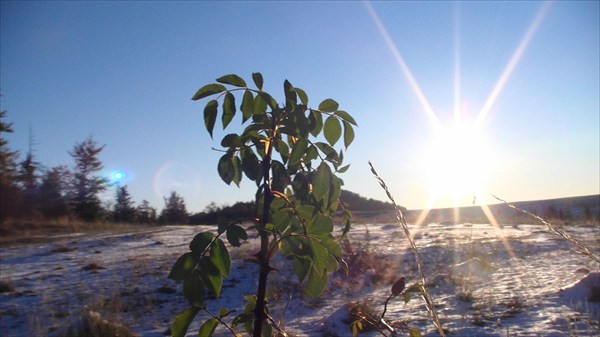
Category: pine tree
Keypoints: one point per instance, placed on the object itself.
(10, 194)
(29, 181)
(123, 210)
(52, 192)
(145, 213)
(85, 185)
(175, 211)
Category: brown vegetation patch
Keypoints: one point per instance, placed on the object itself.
(92, 267)
(93, 325)
(6, 287)
(18, 232)
(63, 249)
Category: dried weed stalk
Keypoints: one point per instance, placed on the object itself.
(400, 217)
(578, 245)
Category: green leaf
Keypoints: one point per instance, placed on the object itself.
(268, 99)
(332, 246)
(321, 181)
(329, 151)
(343, 169)
(208, 328)
(231, 140)
(200, 242)
(260, 105)
(311, 154)
(348, 134)
(412, 332)
(247, 105)
(280, 177)
(184, 265)
(302, 95)
(318, 256)
(219, 256)
(406, 296)
(237, 170)
(242, 319)
(250, 165)
(183, 320)
(210, 116)
(298, 151)
(228, 109)
(316, 122)
(301, 267)
(281, 219)
(211, 276)
(283, 150)
(332, 130)
(208, 90)
(267, 329)
(193, 290)
(345, 116)
(328, 105)
(331, 263)
(307, 211)
(233, 80)
(258, 80)
(335, 191)
(321, 225)
(290, 94)
(226, 168)
(300, 185)
(316, 283)
(347, 222)
(236, 233)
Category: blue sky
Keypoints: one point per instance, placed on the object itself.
(124, 73)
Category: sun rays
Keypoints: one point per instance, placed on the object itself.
(461, 142)
(514, 60)
(433, 119)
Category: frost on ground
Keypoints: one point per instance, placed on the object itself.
(516, 280)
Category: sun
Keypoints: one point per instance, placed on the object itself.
(458, 162)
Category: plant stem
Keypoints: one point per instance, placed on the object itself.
(263, 255)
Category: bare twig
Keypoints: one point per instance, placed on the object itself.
(578, 245)
(221, 321)
(400, 216)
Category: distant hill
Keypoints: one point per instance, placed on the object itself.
(356, 202)
(215, 214)
(584, 208)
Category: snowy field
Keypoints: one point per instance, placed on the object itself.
(510, 281)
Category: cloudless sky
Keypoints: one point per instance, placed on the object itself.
(124, 73)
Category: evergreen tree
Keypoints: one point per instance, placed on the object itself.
(124, 210)
(52, 192)
(10, 193)
(85, 185)
(145, 213)
(29, 181)
(175, 211)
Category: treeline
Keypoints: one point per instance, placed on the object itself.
(29, 191)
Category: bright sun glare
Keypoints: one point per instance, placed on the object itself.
(458, 162)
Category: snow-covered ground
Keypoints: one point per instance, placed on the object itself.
(517, 280)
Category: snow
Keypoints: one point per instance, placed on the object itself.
(516, 280)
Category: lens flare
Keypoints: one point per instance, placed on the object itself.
(118, 175)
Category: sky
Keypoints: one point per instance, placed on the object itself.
(454, 101)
